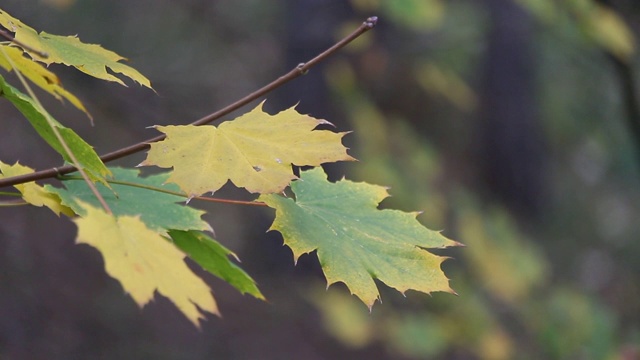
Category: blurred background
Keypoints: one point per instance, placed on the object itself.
(513, 124)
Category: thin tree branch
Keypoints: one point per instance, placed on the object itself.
(301, 69)
(8, 36)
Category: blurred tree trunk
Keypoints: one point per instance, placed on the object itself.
(626, 74)
(511, 145)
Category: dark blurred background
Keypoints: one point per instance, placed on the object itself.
(514, 125)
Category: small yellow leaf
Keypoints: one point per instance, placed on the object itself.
(39, 75)
(143, 261)
(255, 151)
(33, 193)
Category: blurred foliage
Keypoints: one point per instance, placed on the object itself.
(514, 301)
(565, 285)
(600, 24)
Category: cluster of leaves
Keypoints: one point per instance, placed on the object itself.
(143, 227)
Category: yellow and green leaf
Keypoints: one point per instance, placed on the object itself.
(356, 242)
(91, 59)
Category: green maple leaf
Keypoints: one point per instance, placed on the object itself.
(214, 258)
(159, 211)
(355, 241)
(85, 154)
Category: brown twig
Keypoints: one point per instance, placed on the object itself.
(8, 36)
(301, 69)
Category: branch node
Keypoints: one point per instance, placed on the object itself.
(301, 69)
(371, 22)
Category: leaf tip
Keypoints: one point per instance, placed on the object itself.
(457, 243)
(325, 122)
(212, 231)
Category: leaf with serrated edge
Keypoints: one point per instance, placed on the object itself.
(159, 211)
(356, 242)
(91, 59)
(84, 153)
(255, 151)
(214, 258)
(143, 262)
(33, 193)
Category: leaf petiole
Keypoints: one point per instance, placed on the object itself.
(12, 202)
(8, 193)
(153, 188)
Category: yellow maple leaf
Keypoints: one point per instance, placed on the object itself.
(33, 193)
(143, 262)
(39, 75)
(255, 151)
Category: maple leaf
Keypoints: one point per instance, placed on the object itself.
(159, 211)
(39, 75)
(255, 151)
(84, 153)
(33, 193)
(356, 242)
(91, 59)
(143, 262)
(214, 258)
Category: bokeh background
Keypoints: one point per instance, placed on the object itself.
(513, 124)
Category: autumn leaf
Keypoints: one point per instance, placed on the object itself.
(91, 59)
(33, 193)
(84, 153)
(214, 258)
(39, 75)
(355, 241)
(143, 262)
(159, 211)
(255, 151)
